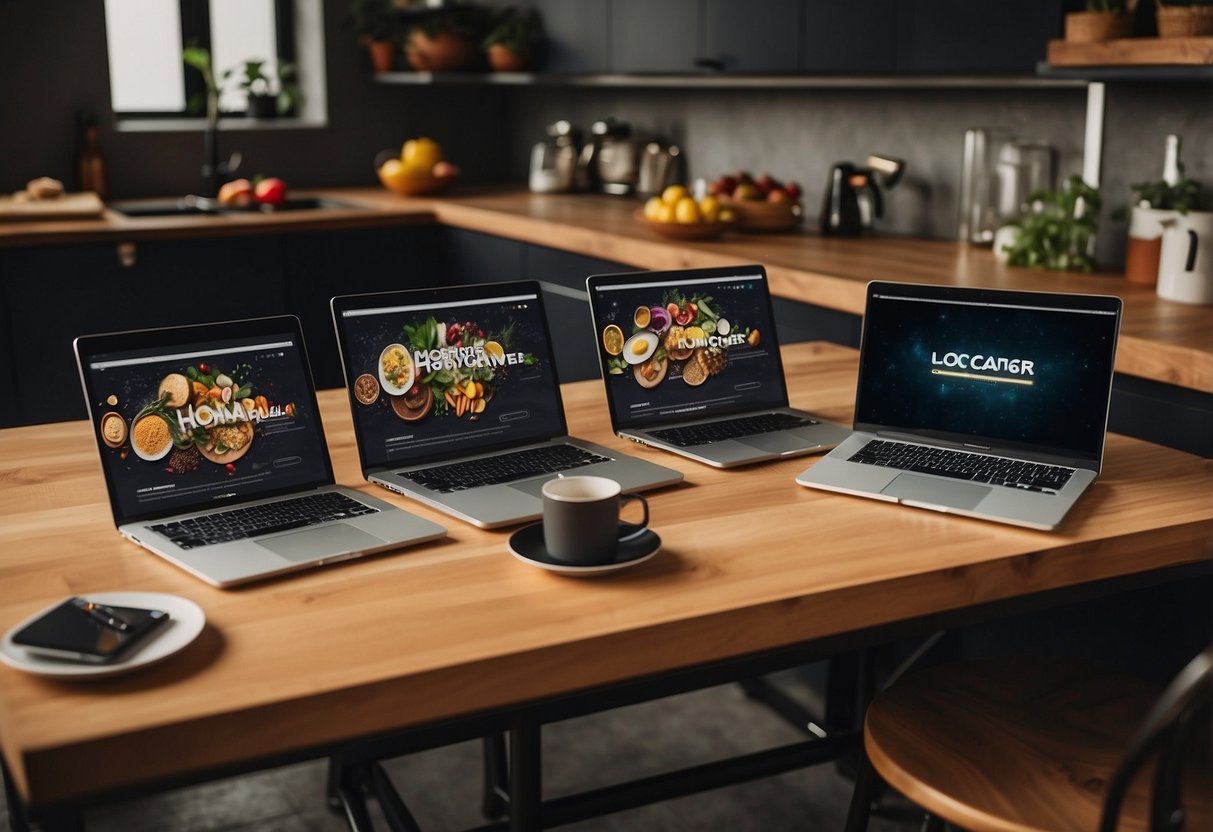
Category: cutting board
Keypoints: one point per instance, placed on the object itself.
(82, 205)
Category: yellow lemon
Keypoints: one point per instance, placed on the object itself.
(494, 350)
(726, 215)
(421, 154)
(612, 339)
(686, 211)
(673, 194)
(652, 209)
(709, 208)
(666, 213)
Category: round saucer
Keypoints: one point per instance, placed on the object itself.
(527, 545)
(186, 620)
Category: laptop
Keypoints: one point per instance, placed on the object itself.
(691, 363)
(980, 402)
(214, 454)
(456, 401)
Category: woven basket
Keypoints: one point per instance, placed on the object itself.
(1096, 27)
(1184, 21)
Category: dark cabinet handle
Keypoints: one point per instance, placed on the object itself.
(714, 64)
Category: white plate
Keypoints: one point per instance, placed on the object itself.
(527, 545)
(390, 387)
(186, 620)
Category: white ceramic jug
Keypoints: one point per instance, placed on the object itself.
(1185, 264)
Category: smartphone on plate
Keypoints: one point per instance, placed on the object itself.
(87, 631)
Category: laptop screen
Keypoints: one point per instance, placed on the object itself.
(439, 373)
(686, 345)
(1014, 370)
(184, 424)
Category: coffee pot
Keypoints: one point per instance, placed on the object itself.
(554, 160)
(853, 198)
(612, 161)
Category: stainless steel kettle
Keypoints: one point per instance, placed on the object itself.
(611, 161)
(853, 198)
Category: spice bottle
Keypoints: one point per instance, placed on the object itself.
(94, 174)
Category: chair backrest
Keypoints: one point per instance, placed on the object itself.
(1167, 733)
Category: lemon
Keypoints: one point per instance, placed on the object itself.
(665, 213)
(494, 350)
(673, 194)
(421, 154)
(652, 209)
(709, 208)
(726, 215)
(686, 211)
(642, 316)
(612, 339)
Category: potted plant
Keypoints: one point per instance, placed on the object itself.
(1103, 20)
(515, 41)
(378, 28)
(1155, 204)
(446, 40)
(1059, 232)
(1184, 18)
(268, 96)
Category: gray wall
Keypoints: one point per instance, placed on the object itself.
(794, 134)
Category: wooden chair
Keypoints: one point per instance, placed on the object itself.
(1047, 745)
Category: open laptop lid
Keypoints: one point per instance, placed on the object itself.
(1024, 373)
(649, 326)
(195, 417)
(410, 356)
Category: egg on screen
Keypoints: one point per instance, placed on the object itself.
(639, 347)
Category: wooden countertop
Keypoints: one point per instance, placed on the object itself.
(1160, 340)
(750, 562)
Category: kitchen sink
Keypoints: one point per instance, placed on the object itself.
(192, 206)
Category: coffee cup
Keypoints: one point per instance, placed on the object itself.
(1185, 264)
(581, 522)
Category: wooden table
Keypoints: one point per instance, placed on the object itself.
(751, 562)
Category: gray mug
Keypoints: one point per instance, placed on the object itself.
(581, 519)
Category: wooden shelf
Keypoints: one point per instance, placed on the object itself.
(1133, 52)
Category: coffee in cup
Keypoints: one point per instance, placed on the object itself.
(581, 522)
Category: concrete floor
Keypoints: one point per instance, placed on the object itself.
(442, 786)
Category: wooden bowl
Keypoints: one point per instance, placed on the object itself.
(765, 216)
(684, 231)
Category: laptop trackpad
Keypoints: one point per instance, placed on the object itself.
(320, 541)
(532, 487)
(936, 492)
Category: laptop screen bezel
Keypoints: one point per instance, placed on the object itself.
(1056, 300)
(452, 295)
(87, 347)
(593, 282)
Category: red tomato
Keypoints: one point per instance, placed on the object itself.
(270, 191)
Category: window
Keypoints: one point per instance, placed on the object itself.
(145, 39)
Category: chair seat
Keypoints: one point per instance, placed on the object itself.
(1018, 745)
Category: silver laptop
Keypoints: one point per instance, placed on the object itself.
(214, 454)
(986, 403)
(691, 363)
(457, 404)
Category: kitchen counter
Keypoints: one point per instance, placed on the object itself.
(1160, 340)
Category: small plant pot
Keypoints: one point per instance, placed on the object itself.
(1144, 244)
(383, 54)
(444, 52)
(503, 59)
(1097, 27)
(263, 106)
(1184, 21)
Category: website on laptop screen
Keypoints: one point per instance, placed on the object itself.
(193, 425)
(686, 349)
(432, 380)
(1025, 375)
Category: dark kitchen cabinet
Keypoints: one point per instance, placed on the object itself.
(857, 36)
(54, 294)
(576, 33)
(648, 37)
(963, 36)
(756, 36)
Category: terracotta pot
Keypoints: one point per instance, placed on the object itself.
(383, 54)
(445, 52)
(1096, 27)
(1184, 21)
(504, 59)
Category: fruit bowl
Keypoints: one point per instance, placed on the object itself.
(407, 182)
(755, 215)
(684, 231)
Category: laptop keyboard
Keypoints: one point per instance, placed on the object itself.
(503, 468)
(961, 465)
(710, 432)
(236, 524)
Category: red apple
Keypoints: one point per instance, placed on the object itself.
(765, 183)
(779, 194)
(270, 191)
(237, 192)
(793, 190)
(724, 185)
